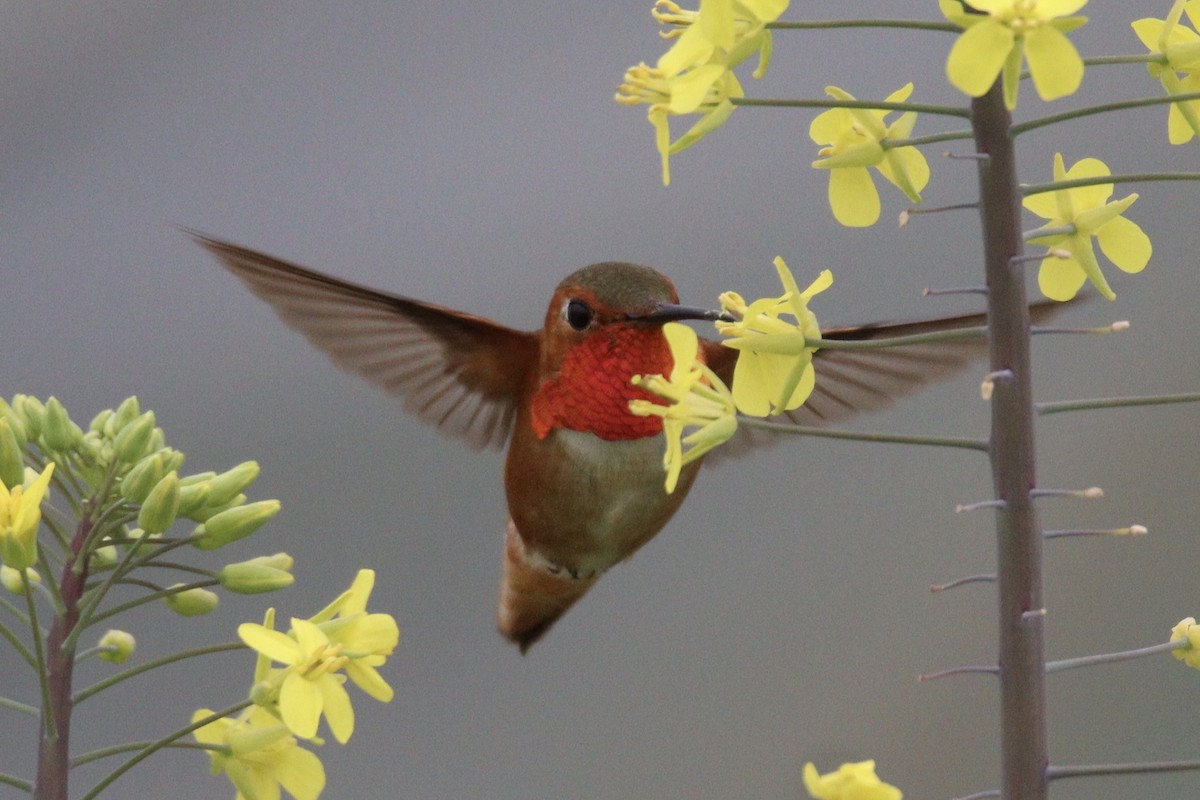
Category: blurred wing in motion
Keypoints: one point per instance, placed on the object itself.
(460, 373)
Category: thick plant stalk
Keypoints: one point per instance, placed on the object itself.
(1021, 655)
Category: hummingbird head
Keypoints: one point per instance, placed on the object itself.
(602, 328)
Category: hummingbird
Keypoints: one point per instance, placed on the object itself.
(583, 476)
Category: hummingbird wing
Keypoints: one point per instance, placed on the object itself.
(460, 373)
(851, 382)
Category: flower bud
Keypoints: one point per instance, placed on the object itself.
(208, 511)
(141, 480)
(191, 602)
(257, 575)
(235, 523)
(231, 483)
(192, 496)
(116, 646)
(103, 556)
(172, 458)
(161, 505)
(133, 440)
(14, 421)
(98, 422)
(31, 412)
(12, 455)
(59, 433)
(126, 413)
(14, 579)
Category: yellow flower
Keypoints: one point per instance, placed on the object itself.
(856, 781)
(738, 27)
(343, 636)
(703, 89)
(1180, 47)
(854, 139)
(259, 755)
(699, 399)
(1086, 212)
(774, 370)
(20, 514)
(1007, 32)
(1187, 629)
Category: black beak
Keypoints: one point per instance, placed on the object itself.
(669, 312)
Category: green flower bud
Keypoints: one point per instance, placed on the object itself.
(208, 511)
(14, 421)
(257, 575)
(158, 440)
(191, 602)
(59, 433)
(31, 412)
(98, 421)
(231, 483)
(103, 556)
(116, 646)
(127, 412)
(141, 480)
(12, 455)
(264, 693)
(192, 496)
(161, 505)
(172, 458)
(133, 440)
(235, 523)
(14, 580)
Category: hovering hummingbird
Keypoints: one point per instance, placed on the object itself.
(583, 476)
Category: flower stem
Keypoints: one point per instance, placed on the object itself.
(19, 783)
(156, 663)
(1139, 177)
(954, 335)
(1087, 111)
(1092, 770)
(1112, 658)
(1019, 542)
(920, 108)
(15, 705)
(864, 436)
(1113, 402)
(916, 25)
(129, 747)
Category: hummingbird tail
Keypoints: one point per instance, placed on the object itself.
(533, 592)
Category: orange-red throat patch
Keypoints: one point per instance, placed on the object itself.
(593, 389)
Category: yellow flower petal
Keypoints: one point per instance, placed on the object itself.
(1125, 244)
(977, 56)
(301, 773)
(273, 644)
(300, 705)
(1060, 278)
(335, 704)
(853, 197)
(1054, 63)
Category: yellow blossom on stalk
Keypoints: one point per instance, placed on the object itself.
(995, 42)
(1180, 47)
(699, 399)
(1085, 211)
(343, 636)
(20, 515)
(1187, 630)
(738, 27)
(857, 138)
(774, 371)
(259, 755)
(703, 89)
(853, 781)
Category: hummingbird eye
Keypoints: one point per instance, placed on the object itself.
(577, 314)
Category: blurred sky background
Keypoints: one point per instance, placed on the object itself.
(470, 154)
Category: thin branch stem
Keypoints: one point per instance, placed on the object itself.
(1078, 113)
(1092, 770)
(1112, 658)
(955, 335)
(15, 782)
(1058, 406)
(133, 672)
(16, 705)
(908, 24)
(129, 747)
(888, 438)
(1134, 177)
(920, 108)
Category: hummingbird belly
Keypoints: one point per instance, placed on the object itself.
(585, 503)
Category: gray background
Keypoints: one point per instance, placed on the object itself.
(470, 154)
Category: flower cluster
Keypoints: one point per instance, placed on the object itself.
(1179, 66)
(858, 138)
(1074, 217)
(773, 373)
(1007, 32)
(695, 76)
(259, 750)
